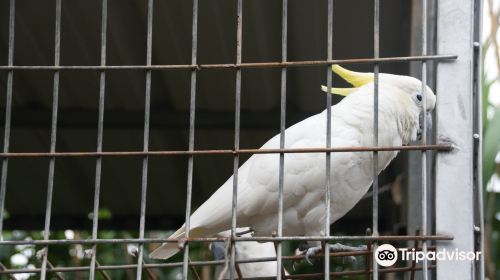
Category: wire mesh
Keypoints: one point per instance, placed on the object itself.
(194, 67)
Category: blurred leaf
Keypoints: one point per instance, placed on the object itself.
(105, 213)
(486, 92)
(491, 146)
(486, 83)
(486, 46)
(6, 214)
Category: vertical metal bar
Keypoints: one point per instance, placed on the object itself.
(478, 131)
(284, 36)
(8, 112)
(454, 171)
(414, 262)
(53, 137)
(100, 124)
(236, 136)
(369, 258)
(147, 107)
(328, 143)
(192, 111)
(425, 271)
(376, 54)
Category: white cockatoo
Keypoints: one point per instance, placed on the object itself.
(400, 104)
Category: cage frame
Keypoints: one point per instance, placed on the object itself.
(454, 43)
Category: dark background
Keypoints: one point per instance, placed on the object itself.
(124, 102)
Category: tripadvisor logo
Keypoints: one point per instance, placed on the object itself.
(387, 255)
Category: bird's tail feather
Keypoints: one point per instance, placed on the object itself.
(168, 249)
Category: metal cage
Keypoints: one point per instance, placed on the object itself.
(456, 143)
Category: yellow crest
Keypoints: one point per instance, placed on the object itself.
(357, 79)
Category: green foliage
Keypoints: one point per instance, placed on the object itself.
(115, 254)
(105, 214)
(491, 130)
(491, 145)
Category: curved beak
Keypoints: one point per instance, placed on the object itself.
(428, 119)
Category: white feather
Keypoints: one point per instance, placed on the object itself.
(305, 173)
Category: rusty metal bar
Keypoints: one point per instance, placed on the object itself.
(100, 267)
(236, 158)
(272, 64)
(328, 142)
(203, 263)
(133, 266)
(369, 258)
(354, 272)
(145, 162)
(414, 262)
(214, 239)
(281, 175)
(100, 132)
(145, 147)
(192, 267)
(53, 137)
(435, 147)
(192, 118)
(238, 271)
(8, 113)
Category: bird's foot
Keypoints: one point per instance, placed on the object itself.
(309, 252)
(337, 247)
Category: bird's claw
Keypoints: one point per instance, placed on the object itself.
(337, 247)
(308, 253)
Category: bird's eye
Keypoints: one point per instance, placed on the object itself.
(419, 97)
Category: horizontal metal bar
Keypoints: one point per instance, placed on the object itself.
(436, 147)
(205, 263)
(352, 238)
(274, 64)
(179, 264)
(358, 272)
(213, 239)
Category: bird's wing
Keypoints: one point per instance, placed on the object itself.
(304, 178)
(257, 181)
